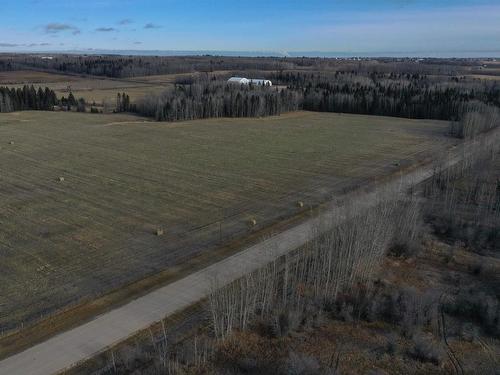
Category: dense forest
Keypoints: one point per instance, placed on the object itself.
(402, 95)
(29, 98)
(217, 99)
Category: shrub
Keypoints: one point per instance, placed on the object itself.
(476, 118)
(407, 229)
(468, 332)
(479, 307)
(412, 310)
(391, 346)
(425, 349)
(301, 364)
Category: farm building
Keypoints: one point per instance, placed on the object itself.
(246, 81)
(238, 80)
(263, 82)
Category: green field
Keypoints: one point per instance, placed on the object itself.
(124, 177)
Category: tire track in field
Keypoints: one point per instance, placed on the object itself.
(457, 366)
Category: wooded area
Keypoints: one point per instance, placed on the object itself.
(134, 66)
(401, 95)
(118, 66)
(217, 99)
(471, 106)
(27, 98)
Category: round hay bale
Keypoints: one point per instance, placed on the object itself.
(252, 222)
(11, 142)
(300, 204)
(159, 232)
(61, 179)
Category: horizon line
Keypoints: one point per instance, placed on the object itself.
(271, 53)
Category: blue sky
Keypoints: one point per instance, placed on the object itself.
(272, 25)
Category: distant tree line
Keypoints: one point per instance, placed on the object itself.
(401, 95)
(116, 66)
(134, 66)
(6, 65)
(217, 99)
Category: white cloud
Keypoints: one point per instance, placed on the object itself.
(151, 26)
(126, 21)
(105, 29)
(55, 27)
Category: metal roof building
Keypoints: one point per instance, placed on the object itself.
(246, 81)
(262, 82)
(238, 80)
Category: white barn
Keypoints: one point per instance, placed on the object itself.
(238, 80)
(246, 81)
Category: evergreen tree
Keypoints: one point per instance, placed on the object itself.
(71, 100)
(27, 98)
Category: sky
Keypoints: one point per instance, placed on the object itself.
(285, 26)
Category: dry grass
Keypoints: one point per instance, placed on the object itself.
(485, 77)
(21, 77)
(100, 90)
(100, 95)
(92, 90)
(61, 242)
(171, 78)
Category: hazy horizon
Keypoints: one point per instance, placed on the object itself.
(291, 54)
(439, 28)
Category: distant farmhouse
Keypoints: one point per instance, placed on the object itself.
(246, 81)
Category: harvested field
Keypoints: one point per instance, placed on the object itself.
(98, 90)
(28, 77)
(92, 90)
(99, 96)
(82, 196)
(171, 78)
